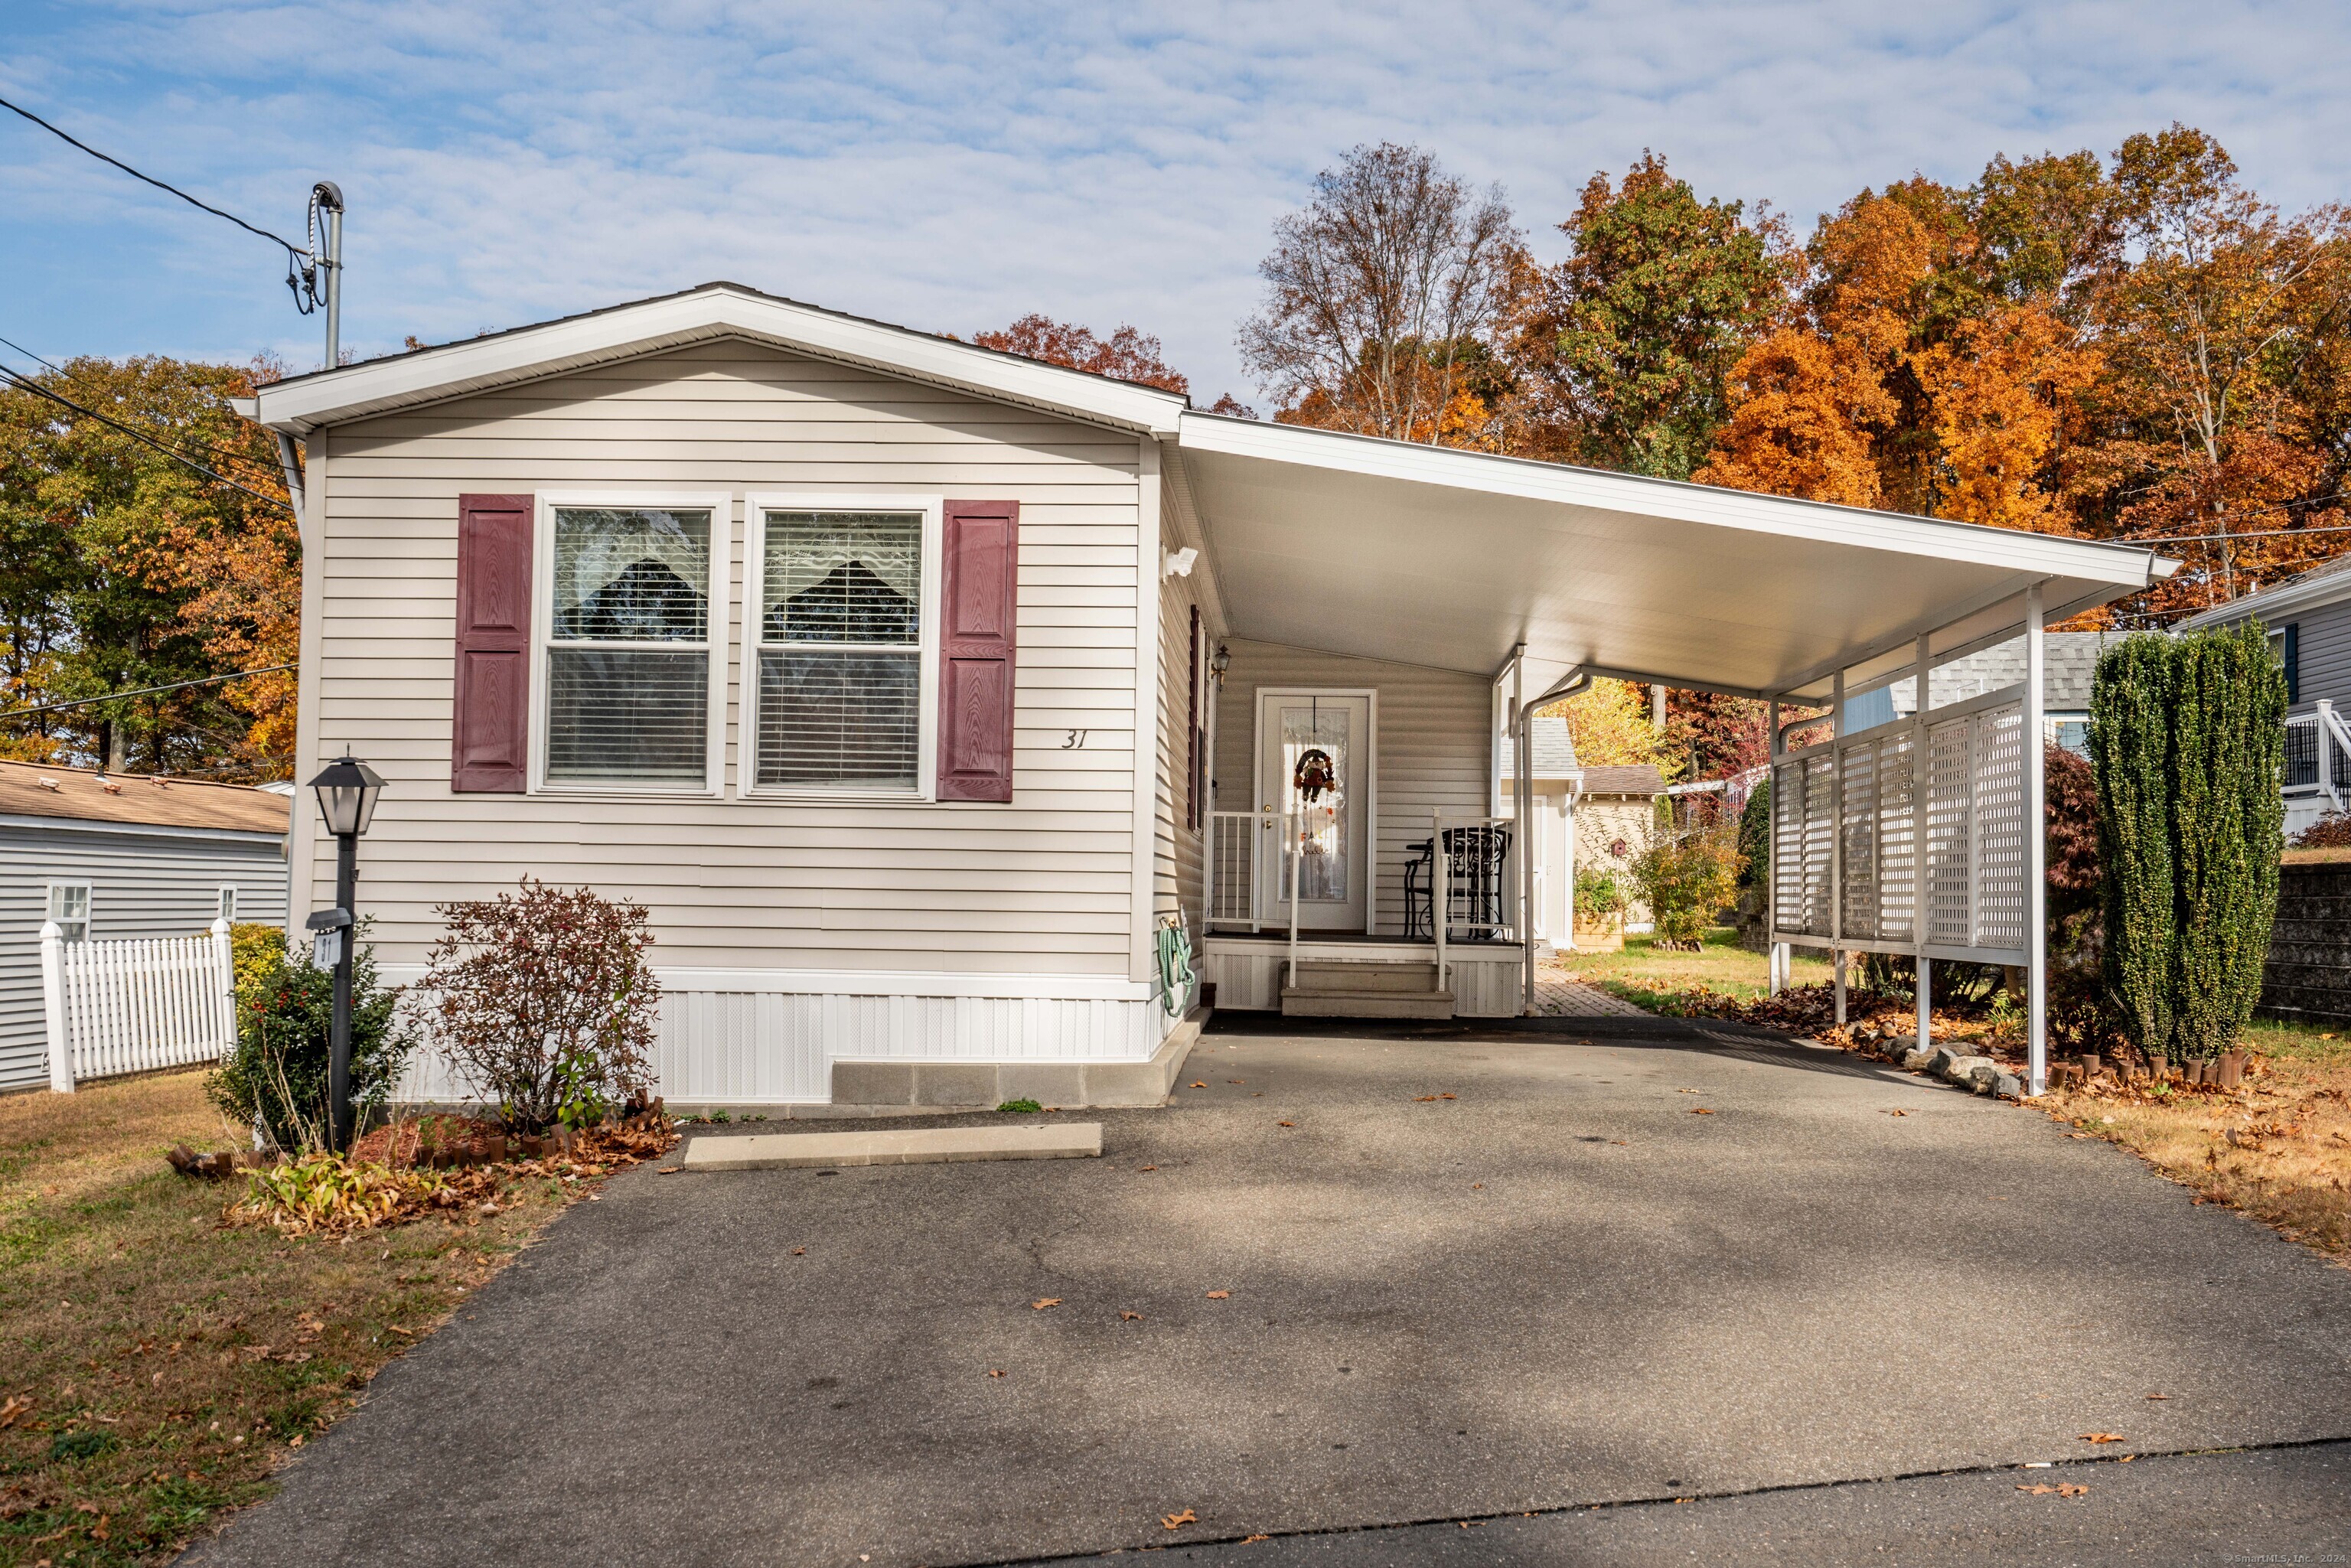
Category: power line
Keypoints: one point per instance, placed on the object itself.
(136, 434)
(301, 263)
(141, 692)
(227, 451)
(2249, 534)
(291, 247)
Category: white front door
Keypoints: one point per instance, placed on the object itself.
(1314, 764)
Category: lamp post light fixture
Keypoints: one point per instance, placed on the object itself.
(347, 792)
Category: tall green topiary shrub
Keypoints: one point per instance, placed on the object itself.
(2187, 741)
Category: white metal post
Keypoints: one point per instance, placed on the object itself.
(1296, 828)
(2036, 851)
(1438, 893)
(1771, 850)
(224, 986)
(1522, 810)
(53, 1002)
(1921, 776)
(1836, 835)
(2326, 751)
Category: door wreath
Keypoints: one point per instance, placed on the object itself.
(1315, 774)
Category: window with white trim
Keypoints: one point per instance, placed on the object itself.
(70, 909)
(228, 904)
(628, 639)
(839, 634)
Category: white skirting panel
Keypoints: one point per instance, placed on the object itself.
(775, 1046)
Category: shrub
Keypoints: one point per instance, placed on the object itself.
(254, 950)
(276, 1079)
(1686, 879)
(544, 1003)
(2187, 745)
(2331, 832)
(1755, 837)
(1598, 892)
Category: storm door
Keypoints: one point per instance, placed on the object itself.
(1315, 763)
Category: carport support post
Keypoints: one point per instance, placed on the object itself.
(1522, 786)
(1837, 841)
(1920, 777)
(2036, 851)
(1771, 848)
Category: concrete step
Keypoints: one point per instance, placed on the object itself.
(883, 1146)
(1373, 1004)
(1340, 977)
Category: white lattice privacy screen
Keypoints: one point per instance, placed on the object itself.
(1845, 865)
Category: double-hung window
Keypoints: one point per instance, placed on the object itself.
(629, 623)
(69, 908)
(841, 645)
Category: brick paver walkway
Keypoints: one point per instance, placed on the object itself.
(1560, 995)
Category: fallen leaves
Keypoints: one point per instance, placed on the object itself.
(1196, 1084)
(995, 1372)
(1476, 1187)
(667, 1170)
(1130, 1317)
(1700, 1111)
(2063, 1489)
(2102, 1437)
(1285, 1124)
(799, 1251)
(1897, 1111)
(14, 1408)
(1220, 1295)
(2150, 1397)
(1449, 1096)
(1040, 1305)
(1139, 1169)
(1423, 1099)
(1179, 1521)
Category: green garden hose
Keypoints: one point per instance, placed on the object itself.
(1176, 980)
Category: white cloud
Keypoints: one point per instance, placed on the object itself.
(952, 167)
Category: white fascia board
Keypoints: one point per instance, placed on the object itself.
(32, 822)
(2284, 599)
(431, 375)
(1413, 462)
(989, 986)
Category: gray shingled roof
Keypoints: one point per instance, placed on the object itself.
(2072, 658)
(1554, 750)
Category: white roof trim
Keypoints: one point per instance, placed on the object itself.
(305, 403)
(1415, 463)
(2327, 588)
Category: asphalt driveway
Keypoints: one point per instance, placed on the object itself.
(1464, 1274)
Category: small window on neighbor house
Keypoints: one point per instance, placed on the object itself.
(69, 908)
(2074, 735)
(2285, 649)
(838, 641)
(628, 655)
(228, 903)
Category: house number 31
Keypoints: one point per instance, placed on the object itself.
(1076, 742)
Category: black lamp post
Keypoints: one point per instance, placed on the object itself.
(347, 794)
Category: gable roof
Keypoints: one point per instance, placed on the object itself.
(1552, 748)
(2328, 583)
(1639, 779)
(299, 405)
(29, 789)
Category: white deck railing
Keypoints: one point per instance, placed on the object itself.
(2318, 756)
(134, 1005)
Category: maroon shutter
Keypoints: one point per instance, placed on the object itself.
(493, 694)
(982, 546)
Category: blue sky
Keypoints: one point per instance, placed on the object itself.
(951, 167)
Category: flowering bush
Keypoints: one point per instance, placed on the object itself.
(544, 1003)
(276, 1079)
(1685, 879)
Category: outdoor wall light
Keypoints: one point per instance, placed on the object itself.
(1178, 562)
(1220, 662)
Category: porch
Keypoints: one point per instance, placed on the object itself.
(1398, 612)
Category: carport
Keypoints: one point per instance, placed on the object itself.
(1910, 838)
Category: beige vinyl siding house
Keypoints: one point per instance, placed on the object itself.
(867, 662)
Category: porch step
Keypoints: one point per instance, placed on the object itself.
(1298, 1004)
(1339, 976)
(1336, 989)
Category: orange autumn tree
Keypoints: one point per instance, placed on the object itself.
(1128, 354)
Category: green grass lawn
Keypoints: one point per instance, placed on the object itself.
(1644, 977)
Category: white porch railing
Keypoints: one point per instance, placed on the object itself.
(133, 1006)
(2318, 758)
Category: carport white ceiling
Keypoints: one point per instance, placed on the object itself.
(1389, 550)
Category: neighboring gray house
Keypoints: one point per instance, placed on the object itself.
(2072, 659)
(2309, 623)
(118, 855)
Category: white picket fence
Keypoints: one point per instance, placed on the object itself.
(137, 1005)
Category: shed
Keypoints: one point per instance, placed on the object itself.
(111, 856)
